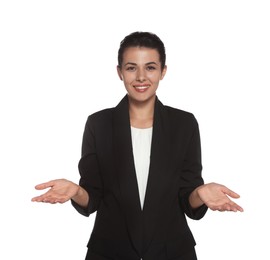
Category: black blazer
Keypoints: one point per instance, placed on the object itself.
(122, 230)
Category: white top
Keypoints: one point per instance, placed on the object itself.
(141, 143)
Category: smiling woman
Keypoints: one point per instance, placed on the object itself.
(141, 71)
(141, 168)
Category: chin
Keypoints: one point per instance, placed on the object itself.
(141, 99)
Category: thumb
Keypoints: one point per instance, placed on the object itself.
(44, 185)
(231, 193)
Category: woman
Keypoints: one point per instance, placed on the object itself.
(141, 168)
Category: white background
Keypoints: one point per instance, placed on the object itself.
(57, 66)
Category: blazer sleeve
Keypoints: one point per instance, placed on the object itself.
(191, 176)
(90, 178)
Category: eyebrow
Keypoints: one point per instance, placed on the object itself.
(134, 64)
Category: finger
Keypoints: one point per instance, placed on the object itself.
(42, 197)
(234, 207)
(38, 199)
(47, 199)
(44, 185)
(35, 199)
(54, 200)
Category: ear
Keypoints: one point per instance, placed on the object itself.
(163, 73)
(119, 72)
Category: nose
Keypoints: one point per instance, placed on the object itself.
(140, 75)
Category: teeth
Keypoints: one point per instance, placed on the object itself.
(143, 87)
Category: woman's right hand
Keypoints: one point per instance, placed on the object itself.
(60, 191)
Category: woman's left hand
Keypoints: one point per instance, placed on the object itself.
(216, 197)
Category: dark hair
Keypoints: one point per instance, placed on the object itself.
(142, 39)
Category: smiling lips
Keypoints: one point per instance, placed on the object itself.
(141, 88)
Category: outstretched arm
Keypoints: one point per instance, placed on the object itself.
(215, 196)
(60, 191)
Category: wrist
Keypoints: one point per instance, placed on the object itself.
(195, 199)
(81, 197)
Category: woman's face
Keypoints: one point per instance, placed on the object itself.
(141, 72)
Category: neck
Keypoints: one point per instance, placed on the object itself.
(141, 113)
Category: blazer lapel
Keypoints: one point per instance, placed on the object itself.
(125, 169)
(141, 224)
(158, 182)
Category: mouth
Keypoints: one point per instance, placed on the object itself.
(141, 88)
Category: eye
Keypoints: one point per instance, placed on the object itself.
(130, 68)
(150, 68)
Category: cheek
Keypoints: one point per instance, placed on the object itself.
(127, 82)
(127, 78)
(154, 78)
